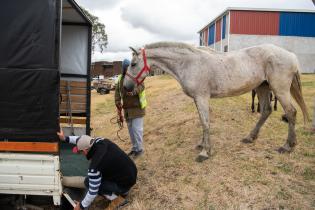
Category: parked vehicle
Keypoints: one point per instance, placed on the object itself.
(104, 86)
(103, 90)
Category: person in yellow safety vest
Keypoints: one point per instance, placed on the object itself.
(134, 104)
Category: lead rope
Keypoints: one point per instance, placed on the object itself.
(69, 107)
(120, 122)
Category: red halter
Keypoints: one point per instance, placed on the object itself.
(144, 69)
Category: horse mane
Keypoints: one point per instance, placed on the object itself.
(171, 45)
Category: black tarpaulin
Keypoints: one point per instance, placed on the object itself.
(29, 75)
(28, 33)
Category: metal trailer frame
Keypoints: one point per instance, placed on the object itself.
(38, 172)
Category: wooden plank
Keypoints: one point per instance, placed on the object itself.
(74, 120)
(63, 83)
(77, 111)
(29, 147)
(74, 106)
(74, 98)
(66, 112)
(77, 91)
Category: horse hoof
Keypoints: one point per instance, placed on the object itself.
(198, 147)
(201, 158)
(285, 149)
(248, 140)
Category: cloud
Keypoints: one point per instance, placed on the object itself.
(139, 22)
(163, 18)
(98, 4)
(112, 56)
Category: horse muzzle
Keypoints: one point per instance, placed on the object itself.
(129, 85)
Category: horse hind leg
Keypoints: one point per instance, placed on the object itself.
(290, 114)
(253, 100)
(263, 93)
(275, 107)
(202, 104)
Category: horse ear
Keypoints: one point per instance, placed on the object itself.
(134, 51)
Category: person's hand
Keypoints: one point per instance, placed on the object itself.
(61, 135)
(119, 105)
(77, 207)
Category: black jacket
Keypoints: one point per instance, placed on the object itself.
(113, 163)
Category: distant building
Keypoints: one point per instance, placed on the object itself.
(105, 68)
(237, 28)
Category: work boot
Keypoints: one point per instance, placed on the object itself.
(131, 153)
(117, 203)
(138, 153)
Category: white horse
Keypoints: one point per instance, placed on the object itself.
(204, 73)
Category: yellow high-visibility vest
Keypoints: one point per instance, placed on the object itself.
(142, 97)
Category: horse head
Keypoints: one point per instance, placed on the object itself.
(137, 71)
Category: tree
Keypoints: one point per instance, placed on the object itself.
(99, 36)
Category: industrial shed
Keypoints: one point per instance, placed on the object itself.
(237, 28)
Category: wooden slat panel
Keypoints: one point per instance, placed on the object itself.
(66, 112)
(74, 111)
(76, 91)
(29, 147)
(63, 83)
(74, 120)
(74, 98)
(74, 106)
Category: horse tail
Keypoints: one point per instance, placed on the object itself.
(296, 92)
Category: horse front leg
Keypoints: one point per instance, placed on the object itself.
(202, 104)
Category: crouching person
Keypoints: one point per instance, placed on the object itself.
(111, 172)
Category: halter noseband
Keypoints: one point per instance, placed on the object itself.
(144, 69)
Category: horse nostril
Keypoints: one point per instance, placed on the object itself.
(127, 89)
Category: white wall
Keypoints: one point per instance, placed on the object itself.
(74, 50)
(218, 46)
(303, 47)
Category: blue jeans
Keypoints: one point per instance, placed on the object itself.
(135, 128)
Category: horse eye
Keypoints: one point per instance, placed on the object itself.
(133, 64)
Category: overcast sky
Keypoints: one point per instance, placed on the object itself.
(139, 22)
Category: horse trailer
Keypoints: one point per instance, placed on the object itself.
(45, 55)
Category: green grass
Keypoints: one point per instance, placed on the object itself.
(104, 107)
(285, 167)
(308, 84)
(283, 194)
(309, 173)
